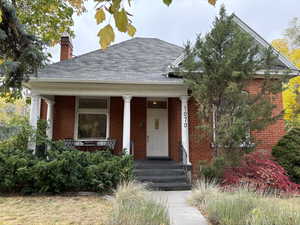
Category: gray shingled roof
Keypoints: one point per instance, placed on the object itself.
(135, 60)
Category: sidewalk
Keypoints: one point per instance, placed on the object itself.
(181, 213)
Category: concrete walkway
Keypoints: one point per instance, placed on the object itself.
(180, 211)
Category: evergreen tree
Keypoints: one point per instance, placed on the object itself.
(219, 69)
(21, 53)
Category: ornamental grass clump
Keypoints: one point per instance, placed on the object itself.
(232, 208)
(275, 211)
(133, 205)
(245, 205)
(203, 192)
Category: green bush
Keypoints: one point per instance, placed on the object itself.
(287, 154)
(59, 169)
(133, 205)
(69, 170)
(213, 170)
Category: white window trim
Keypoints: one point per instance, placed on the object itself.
(92, 111)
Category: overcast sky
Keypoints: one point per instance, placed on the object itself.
(184, 19)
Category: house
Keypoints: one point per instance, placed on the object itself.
(125, 96)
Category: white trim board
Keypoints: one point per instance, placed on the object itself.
(91, 89)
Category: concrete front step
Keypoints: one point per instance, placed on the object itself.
(170, 186)
(158, 172)
(162, 179)
(165, 175)
(158, 166)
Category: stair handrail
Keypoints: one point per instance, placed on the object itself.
(183, 154)
(183, 159)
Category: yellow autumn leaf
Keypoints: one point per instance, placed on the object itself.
(212, 2)
(106, 35)
(0, 15)
(100, 16)
(131, 30)
(291, 94)
(121, 20)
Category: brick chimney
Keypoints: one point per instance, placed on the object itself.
(66, 49)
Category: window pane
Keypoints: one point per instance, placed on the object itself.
(92, 103)
(91, 126)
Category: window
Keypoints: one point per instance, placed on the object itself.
(92, 118)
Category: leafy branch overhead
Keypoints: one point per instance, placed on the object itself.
(122, 18)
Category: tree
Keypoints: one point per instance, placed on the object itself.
(293, 33)
(219, 69)
(287, 153)
(26, 27)
(291, 97)
(122, 18)
(48, 19)
(21, 53)
(12, 112)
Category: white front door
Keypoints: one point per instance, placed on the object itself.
(157, 132)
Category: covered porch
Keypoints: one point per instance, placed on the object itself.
(147, 121)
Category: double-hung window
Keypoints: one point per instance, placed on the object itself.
(92, 118)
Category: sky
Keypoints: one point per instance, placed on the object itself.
(184, 19)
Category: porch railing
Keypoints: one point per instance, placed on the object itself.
(109, 143)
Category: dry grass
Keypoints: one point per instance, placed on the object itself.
(244, 206)
(82, 210)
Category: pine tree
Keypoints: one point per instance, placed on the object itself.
(21, 53)
(218, 70)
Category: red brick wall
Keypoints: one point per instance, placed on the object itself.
(174, 117)
(199, 145)
(139, 126)
(43, 112)
(269, 137)
(116, 122)
(64, 117)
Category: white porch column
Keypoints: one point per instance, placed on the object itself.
(35, 109)
(185, 126)
(126, 124)
(50, 108)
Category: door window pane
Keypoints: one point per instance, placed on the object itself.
(92, 126)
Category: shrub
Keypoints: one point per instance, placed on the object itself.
(287, 154)
(133, 205)
(213, 170)
(59, 169)
(62, 170)
(260, 173)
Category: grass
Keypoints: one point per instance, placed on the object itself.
(83, 210)
(244, 206)
(133, 205)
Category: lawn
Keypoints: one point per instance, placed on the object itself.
(82, 210)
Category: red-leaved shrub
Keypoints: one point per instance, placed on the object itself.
(258, 171)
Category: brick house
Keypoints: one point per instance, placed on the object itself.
(126, 93)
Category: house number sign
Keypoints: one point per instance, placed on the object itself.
(185, 117)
